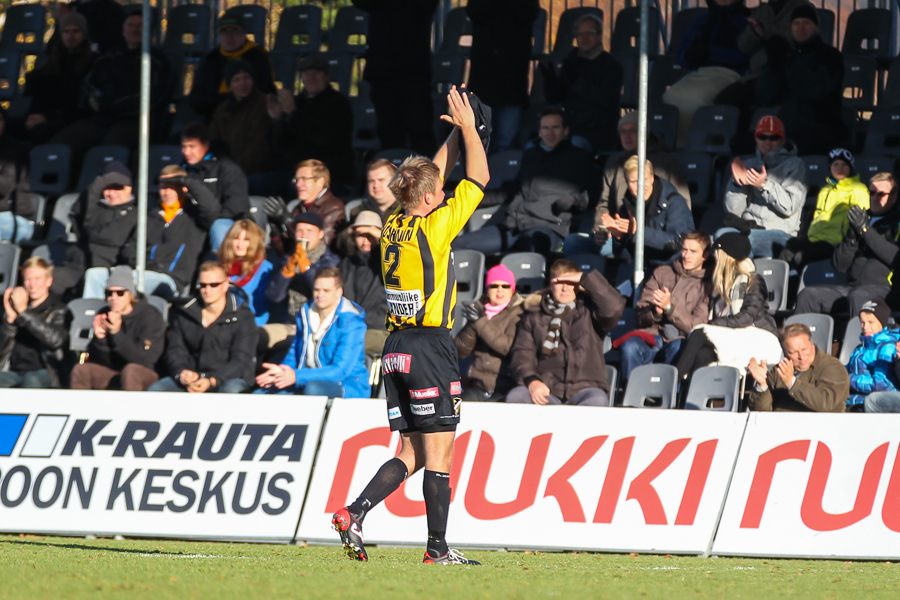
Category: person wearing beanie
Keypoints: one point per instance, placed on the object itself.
(842, 190)
(805, 380)
(871, 365)
(363, 281)
(53, 86)
(488, 337)
(740, 326)
(211, 82)
(129, 336)
(766, 194)
(241, 121)
(807, 83)
(674, 300)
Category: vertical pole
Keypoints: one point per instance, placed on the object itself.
(143, 148)
(643, 75)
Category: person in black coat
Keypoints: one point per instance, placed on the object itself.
(588, 86)
(501, 61)
(363, 280)
(210, 87)
(16, 208)
(808, 84)
(104, 21)
(212, 340)
(129, 338)
(555, 182)
(398, 69)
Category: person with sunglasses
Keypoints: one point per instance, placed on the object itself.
(129, 338)
(212, 340)
(766, 193)
(488, 337)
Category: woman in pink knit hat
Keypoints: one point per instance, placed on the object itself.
(488, 336)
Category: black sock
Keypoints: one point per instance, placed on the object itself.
(386, 480)
(436, 488)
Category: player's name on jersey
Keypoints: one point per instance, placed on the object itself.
(399, 235)
(404, 303)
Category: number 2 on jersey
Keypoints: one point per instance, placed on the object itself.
(392, 258)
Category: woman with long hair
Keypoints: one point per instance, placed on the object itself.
(740, 326)
(243, 254)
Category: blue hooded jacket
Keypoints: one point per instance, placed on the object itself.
(871, 366)
(341, 353)
(257, 301)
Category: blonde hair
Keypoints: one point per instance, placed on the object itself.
(883, 177)
(256, 252)
(631, 165)
(318, 168)
(415, 177)
(726, 271)
(36, 262)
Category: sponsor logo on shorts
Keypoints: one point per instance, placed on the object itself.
(426, 393)
(455, 387)
(396, 363)
(422, 409)
(394, 413)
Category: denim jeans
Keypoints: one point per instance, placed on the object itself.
(883, 402)
(31, 379)
(170, 384)
(636, 352)
(156, 284)
(316, 387)
(9, 222)
(218, 231)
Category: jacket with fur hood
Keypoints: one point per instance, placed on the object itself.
(224, 350)
(578, 363)
(48, 325)
(489, 341)
(340, 352)
(690, 290)
(778, 204)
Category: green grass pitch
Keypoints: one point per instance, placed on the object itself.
(58, 568)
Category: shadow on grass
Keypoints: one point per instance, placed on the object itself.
(95, 548)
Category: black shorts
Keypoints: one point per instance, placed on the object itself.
(421, 378)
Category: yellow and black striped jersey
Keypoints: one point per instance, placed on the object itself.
(416, 261)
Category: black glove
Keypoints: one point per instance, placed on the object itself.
(697, 55)
(858, 220)
(277, 212)
(777, 49)
(472, 311)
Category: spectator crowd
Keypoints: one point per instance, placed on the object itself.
(287, 294)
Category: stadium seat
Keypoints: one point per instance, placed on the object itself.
(651, 386)
(50, 165)
(350, 25)
(869, 32)
(712, 129)
(469, 267)
(81, 329)
(255, 17)
(759, 113)
(9, 265)
(258, 214)
(698, 167)
(589, 262)
(565, 36)
(826, 25)
(365, 123)
(867, 166)
(447, 69)
(612, 376)
(96, 160)
(821, 272)
(459, 321)
(457, 30)
(883, 137)
(890, 96)
(60, 227)
(39, 202)
(821, 327)
(24, 28)
(395, 155)
(714, 388)
(348, 208)
(851, 340)
(284, 68)
(504, 166)
(627, 31)
(663, 121)
(664, 73)
(9, 74)
(629, 62)
(340, 70)
(161, 155)
(625, 324)
(775, 273)
(860, 81)
(816, 174)
(159, 304)
(189, 29)
(480, 217)
(529, 269)
(300, 29)
(539, 35)
(681, 22)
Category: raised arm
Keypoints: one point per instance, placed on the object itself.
(462, 116)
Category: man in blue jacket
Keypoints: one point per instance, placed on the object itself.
(327, 357)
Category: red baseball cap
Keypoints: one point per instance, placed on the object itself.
(770, 125)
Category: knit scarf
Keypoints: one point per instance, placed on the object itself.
(236, 55)
(491, 311)
(169, 211)
(235, 273)
(558, 311)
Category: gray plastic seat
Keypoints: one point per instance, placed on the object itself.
(821, 272)
(160, 304)
(300, 29)
(821, 327)
(851, 340)
(81, 329)
(50, 165)
(652, 386)
(612, 376)
(348, 22)
(529, 269)
(714, 388)
(480, 218)
(9, 265)
(775, 273)
(712, 129)
(469, 267)
(258, 214)
(23, 28)
(189, 29)
(95, 162)
(504, 166)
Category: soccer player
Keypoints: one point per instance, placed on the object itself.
(420, 362)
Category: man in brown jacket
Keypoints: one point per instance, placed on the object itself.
(557, 356)
(806, 379)
(313, 179)
(675, 300)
